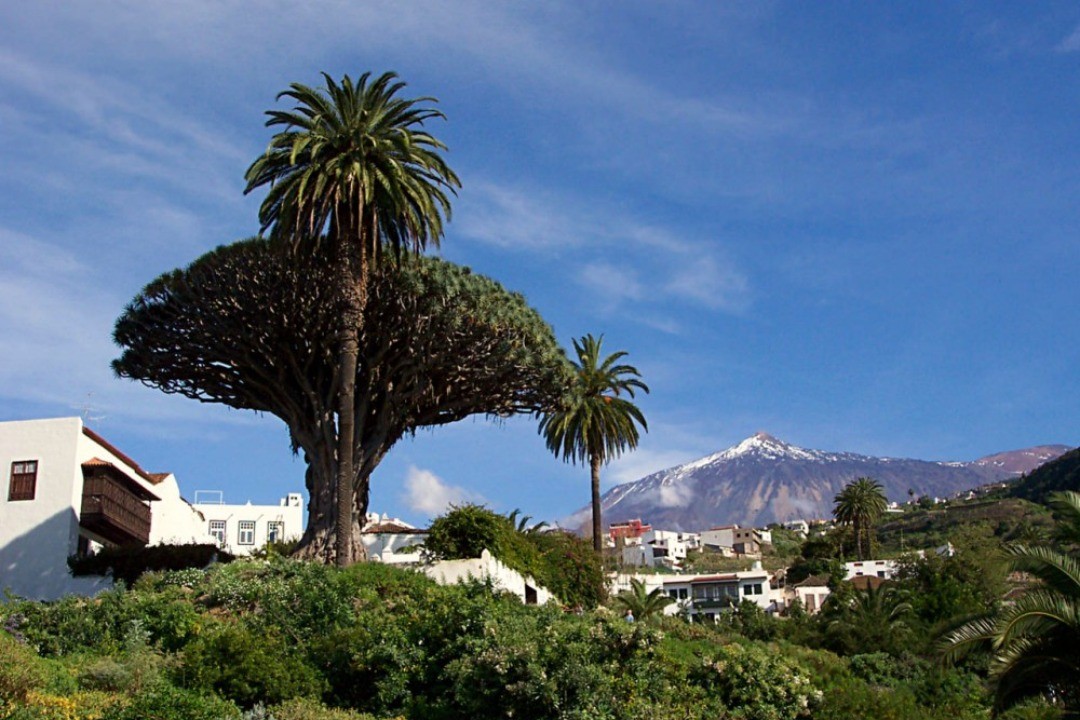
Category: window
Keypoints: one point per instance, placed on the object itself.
(23, 480)
(246, 534)
(275, 531)
(217, 530)
(747, 589)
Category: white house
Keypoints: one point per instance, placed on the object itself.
(732, 539)
(883, 569)
(67, 490)
(812, 593)
(392, 541)
(704, 597)
(667, 548)
(489, 568)
(242, 529)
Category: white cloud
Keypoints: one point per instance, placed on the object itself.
(674, 495)
(515, 218)
(641, 462)
(426, 492)
(1071, 43)
(711, 282)
(611, 284)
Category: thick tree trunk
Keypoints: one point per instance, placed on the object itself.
(322, 533)
(597, 525)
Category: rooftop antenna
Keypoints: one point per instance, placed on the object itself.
(87, 408)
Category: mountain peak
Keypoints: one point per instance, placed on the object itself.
(762, 444)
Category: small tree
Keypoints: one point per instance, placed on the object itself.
(860, 504)
(642, 604)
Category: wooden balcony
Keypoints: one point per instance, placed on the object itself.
(114, 506)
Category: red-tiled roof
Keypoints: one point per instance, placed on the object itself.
(156, 478)
(120, 476)
(715, 578)
(115, 451)
(392, 527)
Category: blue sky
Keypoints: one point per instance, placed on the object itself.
(853, 225)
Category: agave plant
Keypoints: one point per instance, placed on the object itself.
(1035, 643)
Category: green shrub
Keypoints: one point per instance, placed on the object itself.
(127, 564)
(21, 670)
(308, 709)
(245, 667)
(166, 702)
(757, 683)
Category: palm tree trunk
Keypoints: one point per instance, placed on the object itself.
(858, 538)
(597, 524)
(348, 352)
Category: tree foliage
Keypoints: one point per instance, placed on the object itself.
(643, 604)
(1034, 643)
(594, 423)
(248, 328)
(561, 562)
(859, 504)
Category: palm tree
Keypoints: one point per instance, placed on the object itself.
(352, 161)
(1035, 642)
(595, 423)
(859, 504)
(642, 605)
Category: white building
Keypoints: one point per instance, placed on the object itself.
(883, 569)
(704, 597)
(661, 548)
(67, 490)
(392, 540)
(799, 527)
(488, 568)
(735, 540)
(243, 529)
(812, 593)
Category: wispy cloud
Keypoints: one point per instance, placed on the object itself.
(1071, 43)
(426, 492)
(679, 269)
(636, 465)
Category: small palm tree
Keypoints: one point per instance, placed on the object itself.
(860, 504)
(352, 161)
(1035, 642)
(643, 605)
(595, 423)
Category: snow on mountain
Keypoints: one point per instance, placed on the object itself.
(763, 479)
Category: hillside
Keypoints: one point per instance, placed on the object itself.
(1055, 476)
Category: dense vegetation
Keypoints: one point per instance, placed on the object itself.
(377, 642)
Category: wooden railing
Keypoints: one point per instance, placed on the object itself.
(114, 512)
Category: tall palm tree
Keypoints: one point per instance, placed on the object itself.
(1035, 642)
(595, 423)
(352, 173)
(859, 504)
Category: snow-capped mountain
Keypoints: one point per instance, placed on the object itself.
(763, 479)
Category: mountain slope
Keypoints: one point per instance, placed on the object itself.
(763, 480)
(1061, 474)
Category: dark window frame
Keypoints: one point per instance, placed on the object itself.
(23, 484)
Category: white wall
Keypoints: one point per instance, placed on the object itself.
(37, 536)
(486, 567)
(289, 511)
(386, 546)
